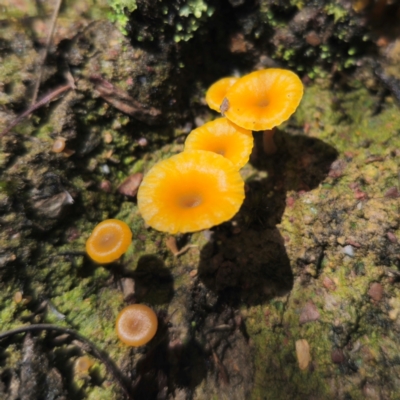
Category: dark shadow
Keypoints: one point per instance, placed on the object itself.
(247, 261)
(154, 283)
(168, 366)
(251, 266)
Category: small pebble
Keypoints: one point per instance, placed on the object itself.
(105, 169)
(375, 291)
(303, 353)
(337, 356)
(309, 313)
(105, 186)
(341, 240)
(348, 250)
(128, 287)
(108, 137)
(18, 297)
(143, 142)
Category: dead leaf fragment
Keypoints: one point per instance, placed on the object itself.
(130, 186)
(303, 353)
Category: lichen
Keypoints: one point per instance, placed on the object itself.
(119, 15)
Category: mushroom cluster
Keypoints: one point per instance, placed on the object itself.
(259, 101)
(202, 187)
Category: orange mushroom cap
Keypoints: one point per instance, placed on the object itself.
(263, 99)
(136, 325)
(190, 191)
(217, 91)
(222, 137)
(108, 241)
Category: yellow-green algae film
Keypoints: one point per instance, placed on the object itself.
(352, 220)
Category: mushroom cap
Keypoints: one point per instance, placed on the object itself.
(108, 241)
(190, 191)
(136, 325)
(222, 137)
(217, 91)
(263, 99)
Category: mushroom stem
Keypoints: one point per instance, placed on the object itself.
(269, 145)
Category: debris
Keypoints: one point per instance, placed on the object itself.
(44, 100)
(392, 193)
(130, 186)
(54, 206)
(128, 288)
(337, 168)
(309, 313)
(337, 356)
(392, 237)
(193, 273)
(105, 186)
(348, 250)
(303, 353)
(376, 291)
(329, 284)
(18, 297)
(143, 142)
(122, 101)
(46, 49)
(87, 344)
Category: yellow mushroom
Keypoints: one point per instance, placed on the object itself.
(222, 137)
(108, 241)
(217, 91)
(263, 99)
(190, 191)
(136, 325)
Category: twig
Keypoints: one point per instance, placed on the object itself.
(122, 101)
(46, 50)
(112, 369)
(45, 99)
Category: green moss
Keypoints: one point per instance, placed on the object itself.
(119, 15)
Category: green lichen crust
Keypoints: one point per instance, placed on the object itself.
(343, 240)
(171, 20)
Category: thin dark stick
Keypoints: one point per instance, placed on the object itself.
(112, 369)
(46, 50)
(45, 99)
